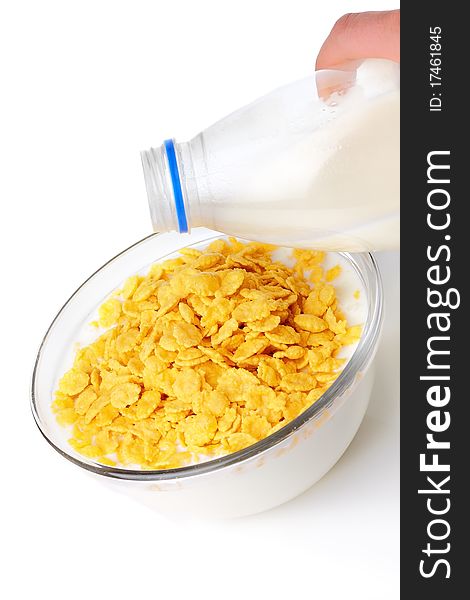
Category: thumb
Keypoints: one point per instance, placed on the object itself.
(357, 36)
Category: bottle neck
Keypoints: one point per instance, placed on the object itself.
(171, 187)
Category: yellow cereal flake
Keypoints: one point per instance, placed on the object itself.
(333, 273)
(73, 382)
(84, 400)
(187, 382)
(124, 395)
(225, 332)
(266, 324)
(109, 312)
(351, 336)
(215, 402)
(249, 348)
(127, 340)
(238, 441)
(66, 416)
(251, 311)
(198, 430)
(146, 289)
(187, 335)
(283, 334)
(334, 324)
(298, 382)
(147, 403)
(268, 374)
(310, 323)
(186, 312)
(206, 354)
(231, 281)
(316, 274)
(129, 287)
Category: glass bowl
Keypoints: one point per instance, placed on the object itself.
(251, 480)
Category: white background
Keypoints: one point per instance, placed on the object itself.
(84, 86)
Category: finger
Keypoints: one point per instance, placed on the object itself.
(357, 36)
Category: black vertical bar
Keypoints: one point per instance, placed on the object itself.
(435, 119)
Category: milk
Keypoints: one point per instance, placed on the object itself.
(291, 168)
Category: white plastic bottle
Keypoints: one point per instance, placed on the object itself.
(291, 168)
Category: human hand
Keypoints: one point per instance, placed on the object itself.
(357, 36)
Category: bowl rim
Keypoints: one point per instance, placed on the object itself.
(366, 268)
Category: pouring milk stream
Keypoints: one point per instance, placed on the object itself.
(291, 168)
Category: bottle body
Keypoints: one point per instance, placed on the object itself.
(294, 170)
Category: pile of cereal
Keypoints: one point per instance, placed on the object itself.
(205, 355)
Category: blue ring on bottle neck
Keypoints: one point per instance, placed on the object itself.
(176, 183)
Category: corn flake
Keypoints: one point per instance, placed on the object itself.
(208, 353)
